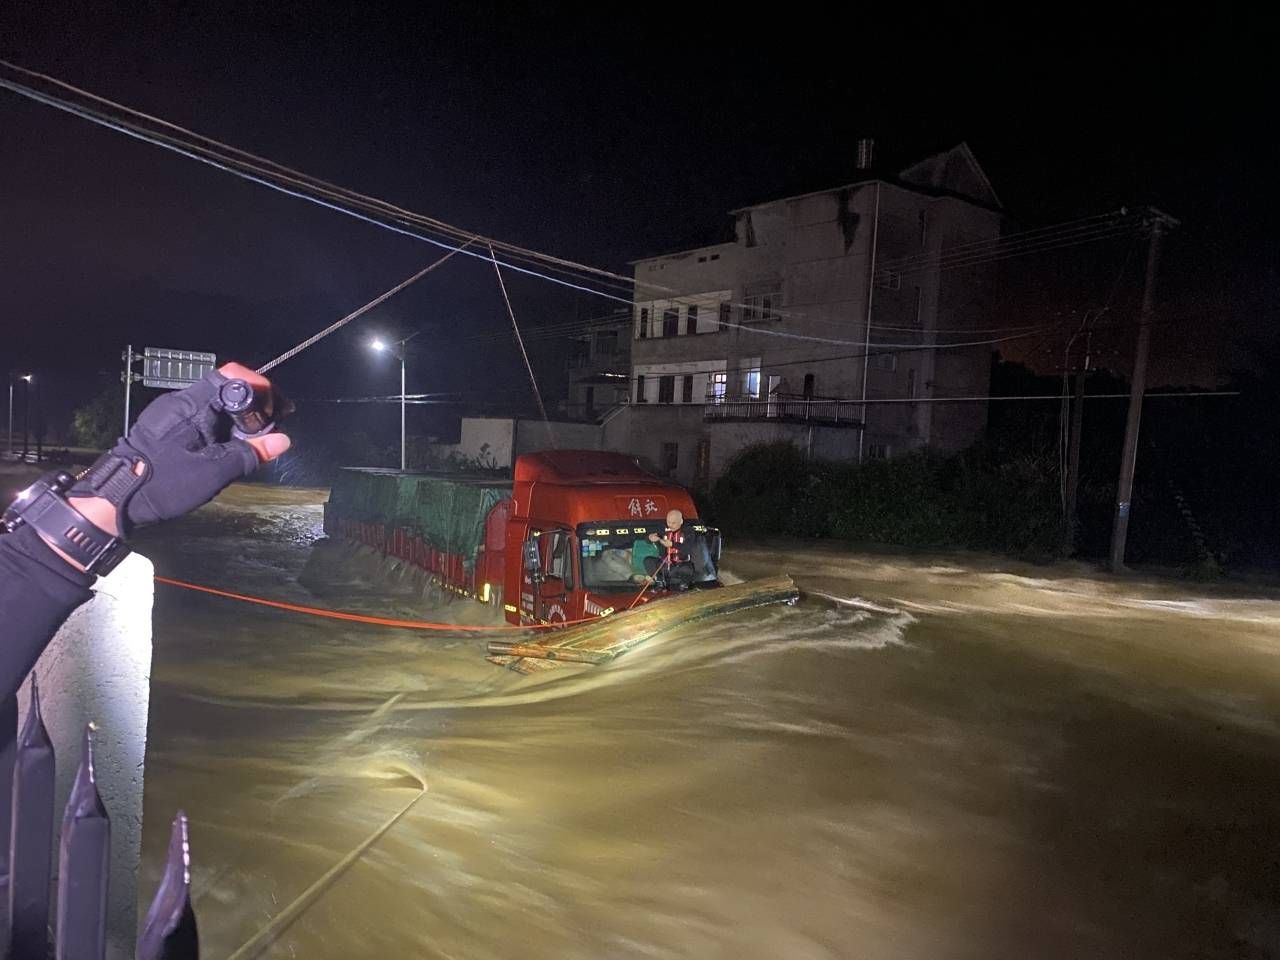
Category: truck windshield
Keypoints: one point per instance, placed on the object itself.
(613, 555)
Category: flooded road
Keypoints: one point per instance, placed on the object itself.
(1016, 762)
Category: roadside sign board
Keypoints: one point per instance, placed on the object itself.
(174, 369)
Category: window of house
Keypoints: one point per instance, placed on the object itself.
(885, 361)
(691, 320)
(751, 383)
(702, 463)
(761, 305)
(686, 389)
(643, 330)
(911, 384)
(670, 458)
(667, 389)
(726, 316)
(719, 387)
(924, 228)
(640, 397)
(808, 386)
(878, 451)
(606, 342)
(671, 322)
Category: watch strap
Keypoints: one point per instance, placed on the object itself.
(66, 528)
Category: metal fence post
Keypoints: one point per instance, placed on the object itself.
(8, 752)
(31, 836)
(169, 931)
(84, 860)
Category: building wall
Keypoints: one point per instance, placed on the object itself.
(490, 437)
(532, 435)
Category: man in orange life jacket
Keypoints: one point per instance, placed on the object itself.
(676, 565)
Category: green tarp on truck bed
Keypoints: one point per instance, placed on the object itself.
(447, 510)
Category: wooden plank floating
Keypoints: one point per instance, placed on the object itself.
(603, 640)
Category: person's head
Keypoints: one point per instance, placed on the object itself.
(675, 519)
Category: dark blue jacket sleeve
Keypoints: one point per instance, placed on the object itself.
(38, 590)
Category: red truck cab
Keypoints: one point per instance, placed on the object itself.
(579, 522)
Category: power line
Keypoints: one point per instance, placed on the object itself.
(364, 201)
(1023, 237)
(253, 161)
(533, 381)
(339, 324)
(226, 167)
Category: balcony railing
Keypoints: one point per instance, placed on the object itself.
(785, 407)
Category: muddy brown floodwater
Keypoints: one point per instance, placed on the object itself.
(1007, 762)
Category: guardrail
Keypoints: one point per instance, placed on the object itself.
(27, 769)
(829, 411)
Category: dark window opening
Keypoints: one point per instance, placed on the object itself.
(606, 342)
(702, 463)
(686, 390)
(726, 315)
(808, 386)
(691, 320)
(667, 389)
(671, 323)
(644, 323)
(640, 397)
(670, 458)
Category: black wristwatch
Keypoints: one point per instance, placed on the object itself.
(44, 507)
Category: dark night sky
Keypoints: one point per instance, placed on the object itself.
(600, 137)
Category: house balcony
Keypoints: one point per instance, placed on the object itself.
(785, 408)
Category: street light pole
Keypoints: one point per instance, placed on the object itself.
(403, 456)
(26, 416)
(401, 350)
(11, 415)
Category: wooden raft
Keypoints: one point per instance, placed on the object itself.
(609, 637)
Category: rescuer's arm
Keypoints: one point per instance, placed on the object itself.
(182, 457)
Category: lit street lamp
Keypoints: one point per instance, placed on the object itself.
(397, 347)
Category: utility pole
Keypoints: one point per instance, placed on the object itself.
(127, 357)
(1073, 453)
(403, 457)
(866, 346)
(1158, 222)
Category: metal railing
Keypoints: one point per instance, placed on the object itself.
(79, 931)
(787, 407)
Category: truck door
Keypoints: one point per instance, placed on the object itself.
(555, 591)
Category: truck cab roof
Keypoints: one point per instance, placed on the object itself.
(580, 467)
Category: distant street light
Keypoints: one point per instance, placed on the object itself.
(27, 378)
(397, 347)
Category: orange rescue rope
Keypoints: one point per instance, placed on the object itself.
(364, 618)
